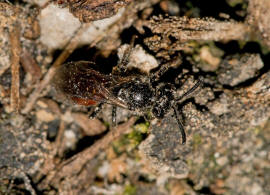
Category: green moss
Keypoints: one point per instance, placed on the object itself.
(242, 43)
(142, 127)
(135, 138)
(260, 130)
(190, 163)
(214, 161)
(214, 51)
(234, 3)
(197, 141)
(129, 190)
(255, 130)
(107, 124)
(265, 49)
(130, 141)
(3, 189)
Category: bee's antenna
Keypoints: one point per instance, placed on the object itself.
(122, 65)
(192, 89)
(180, 124)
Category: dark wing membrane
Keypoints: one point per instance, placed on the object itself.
(84, 85)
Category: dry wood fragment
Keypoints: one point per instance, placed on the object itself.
(89, 10)
(259, 19)
(74, 165)
(183, 29)
(51, 105)
(90, 127)
(59, 146)
(15, 65)
(29, 65)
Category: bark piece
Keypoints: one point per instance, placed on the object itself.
(238, 69)
(89, 10)
(15, 65)
(259, 18)
(171, 33)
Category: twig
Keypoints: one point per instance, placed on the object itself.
(30, 66)
(71, 46)
(185, 29)
(59, 139)
(14, 38)
(75, 164)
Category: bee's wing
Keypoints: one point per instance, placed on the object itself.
(84, 85)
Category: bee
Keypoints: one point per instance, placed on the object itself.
(84, 85)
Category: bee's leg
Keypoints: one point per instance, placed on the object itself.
(180, 124)
(122, 65)
(114, 108)
(156, 75)
(96, 110)
(164, 68)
